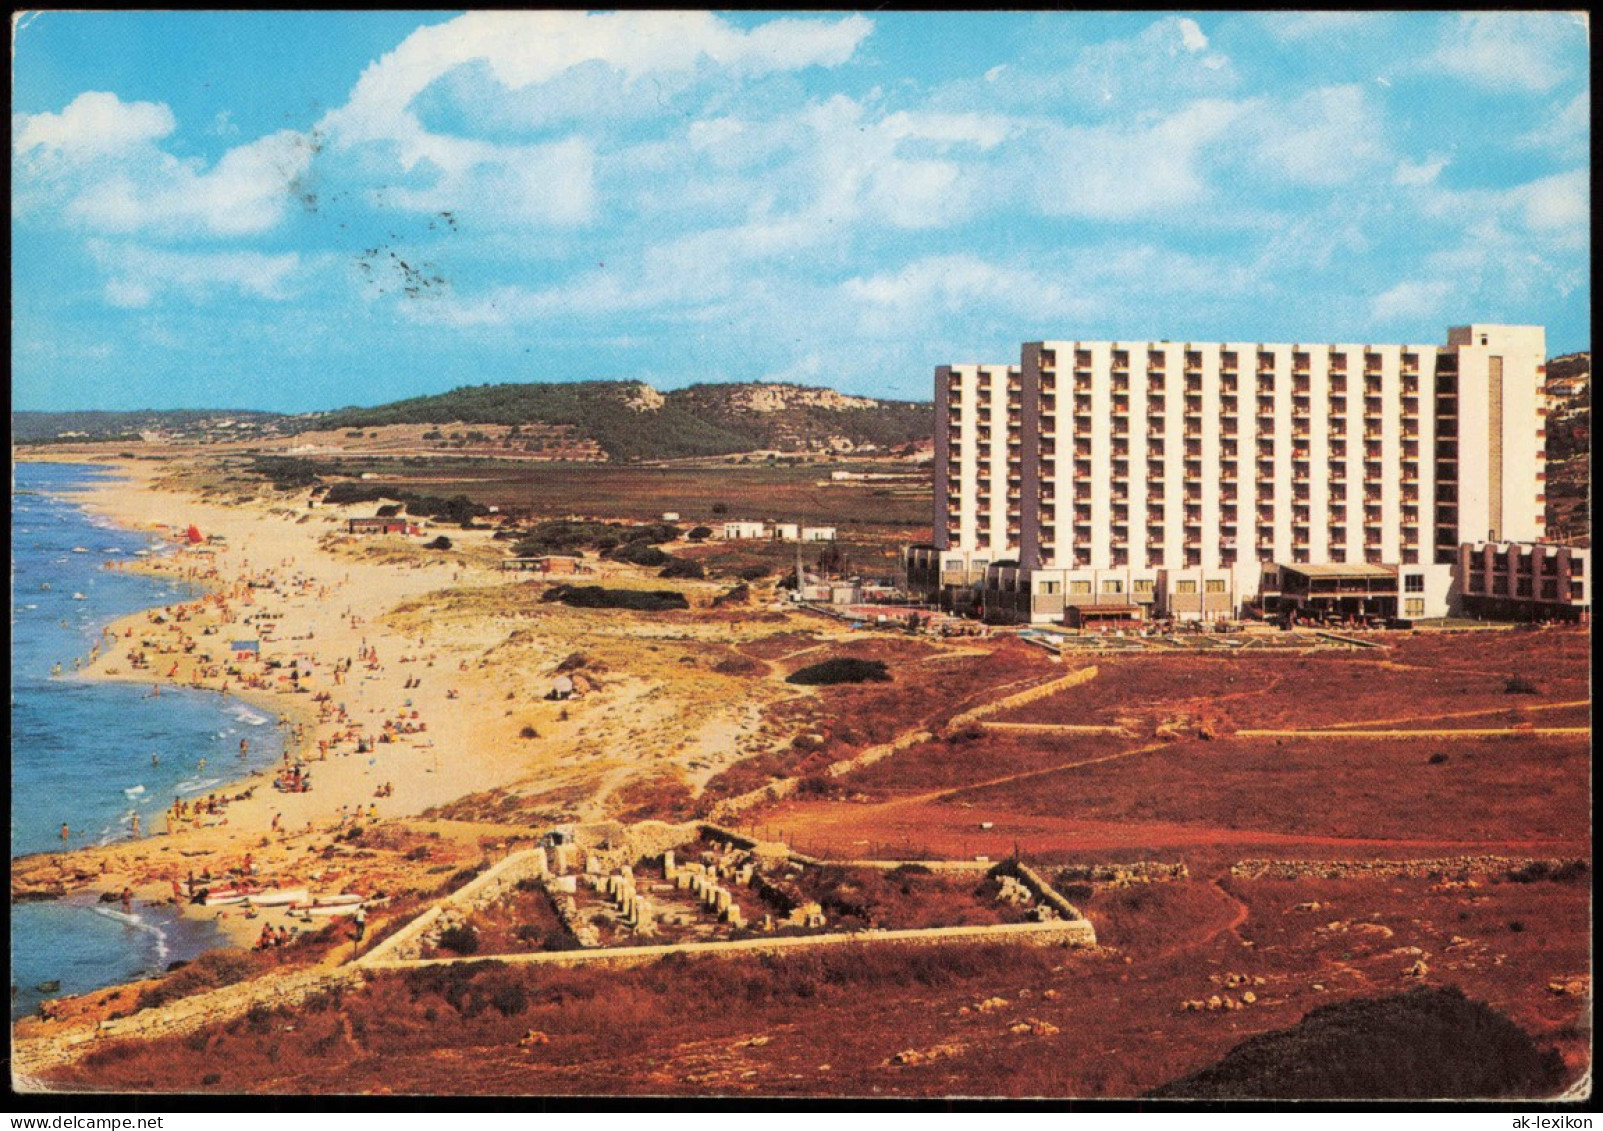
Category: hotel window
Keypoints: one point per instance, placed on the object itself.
(1113, 586)
(1414, 607)
(1577, 567)
(1049, 588)
(1413, 583)
(1142, 587)
(1080, 588)
(1186, 587)
(1215, 586)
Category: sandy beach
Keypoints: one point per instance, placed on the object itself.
(387, 711)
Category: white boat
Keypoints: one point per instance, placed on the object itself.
(79, 597)
(340, 900)
(327, 909)
(277, 898)
(225, 896)
(80, 550)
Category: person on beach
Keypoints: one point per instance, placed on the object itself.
(127, 898)
(66, 833)
(136, 826)
(361, 922)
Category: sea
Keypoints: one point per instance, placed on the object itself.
(92, 755)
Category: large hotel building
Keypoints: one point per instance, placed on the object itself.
(1190, 479)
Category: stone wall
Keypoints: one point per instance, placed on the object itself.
(1441, 868)
(180, 1017)
(1028, 695)
(487, 888)
(1077, 933)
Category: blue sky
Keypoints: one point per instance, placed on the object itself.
(296, 211)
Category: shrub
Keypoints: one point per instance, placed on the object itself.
(598, 597)
(752, 572)
(683, 568)
(699, 533)
(843, 670)
(528, 732)
(1428, 1044)
(639, 553)
(461, 939)
(210, 971)
(1437, 759)
(440, 543)
(1518, 685)
(574, 662)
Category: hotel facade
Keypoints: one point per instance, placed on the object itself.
(1189, 479)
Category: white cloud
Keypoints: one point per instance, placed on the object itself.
(1519, 51)
(137, 275)
(249, 190)
(1412, 302)
(1560, 203)
(1567, 134)
(520, 51)
(1119, 172)
(1411, 175)
(93, 124)
(1191, 37)
(1324, 137)
(957, 283)
(1295, 26)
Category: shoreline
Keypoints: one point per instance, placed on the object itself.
(235, 597)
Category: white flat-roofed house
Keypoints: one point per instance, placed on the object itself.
(737, 530)
(818, 534)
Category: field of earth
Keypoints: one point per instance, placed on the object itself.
(1239, 870)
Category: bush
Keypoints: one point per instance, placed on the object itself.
(1437, 759)
(440, 543)
(463, 939)
(699, 533)
(683, 569)
(844, 670)
(528, 732)
(753, 572)
(638, 553)
(1518, 685)
(598, 597)
(211, 970)
(1428, 1044)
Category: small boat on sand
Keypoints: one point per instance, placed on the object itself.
(218, 896)
(277, 898)
(326, 909)
(341, 904)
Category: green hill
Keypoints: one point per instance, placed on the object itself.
(630, 420)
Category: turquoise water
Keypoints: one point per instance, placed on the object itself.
(92, 755)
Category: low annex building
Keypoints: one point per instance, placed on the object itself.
(1525, 581)
(378, 526)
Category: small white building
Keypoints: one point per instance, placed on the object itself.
(667, 516)
(818, 534)
(735, 530)
(786, 532)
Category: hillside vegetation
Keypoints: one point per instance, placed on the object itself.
(632, 421)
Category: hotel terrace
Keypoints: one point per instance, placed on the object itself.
(1191, 479)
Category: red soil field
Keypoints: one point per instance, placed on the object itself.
(835, 1024)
